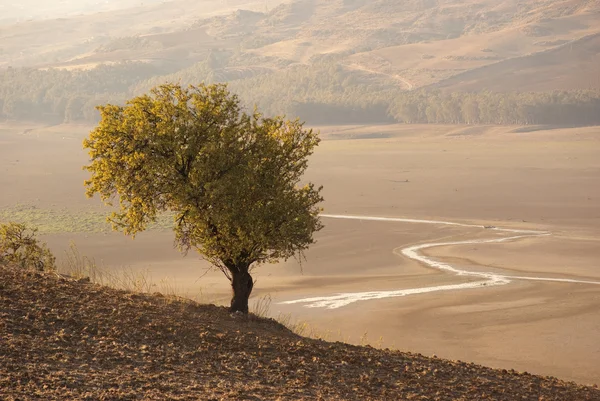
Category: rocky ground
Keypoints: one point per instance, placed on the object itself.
(67, 339)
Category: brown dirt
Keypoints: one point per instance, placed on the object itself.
(68, 339)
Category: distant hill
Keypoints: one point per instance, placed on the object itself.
(572, 65)
(69, 40)
(349, 58)
(27, 10)
(415, 42)
(69, 339)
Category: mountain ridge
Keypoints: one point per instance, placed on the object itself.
(356, 55)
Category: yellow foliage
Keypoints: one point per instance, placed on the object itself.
(19, 246)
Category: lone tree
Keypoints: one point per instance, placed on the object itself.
(231, 178)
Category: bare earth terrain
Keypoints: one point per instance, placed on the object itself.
(542, 180)
(88, 342)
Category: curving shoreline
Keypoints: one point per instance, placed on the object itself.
(490, 279)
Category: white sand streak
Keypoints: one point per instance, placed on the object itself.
(412, 252)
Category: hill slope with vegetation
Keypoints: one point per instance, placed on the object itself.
(70, 339)
(340, 61)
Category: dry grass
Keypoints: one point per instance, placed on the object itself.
(80, 267)
(261, 307)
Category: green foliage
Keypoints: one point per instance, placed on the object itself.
(558, 107)
(19, 246)
(65, 220)
(59, 95)
(198, 72)
(230, 177)
(324, 92)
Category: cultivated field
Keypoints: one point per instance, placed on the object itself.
(527, 179)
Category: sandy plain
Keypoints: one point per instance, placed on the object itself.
(537, 179)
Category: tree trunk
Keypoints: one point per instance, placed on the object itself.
(241, 284)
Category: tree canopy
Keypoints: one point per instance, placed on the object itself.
(231, 178)
(324, 92)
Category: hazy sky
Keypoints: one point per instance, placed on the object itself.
(36, 9)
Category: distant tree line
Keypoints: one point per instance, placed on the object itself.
(56, 95)
(522, 108)
(322, 93)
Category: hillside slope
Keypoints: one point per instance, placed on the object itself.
(573, 65)
(71, 40)
(65, 339)
(27, 10)
(340, 61)
(414, 43)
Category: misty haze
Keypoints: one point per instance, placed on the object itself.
(457, 144)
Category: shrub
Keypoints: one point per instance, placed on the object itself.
(19, 246)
